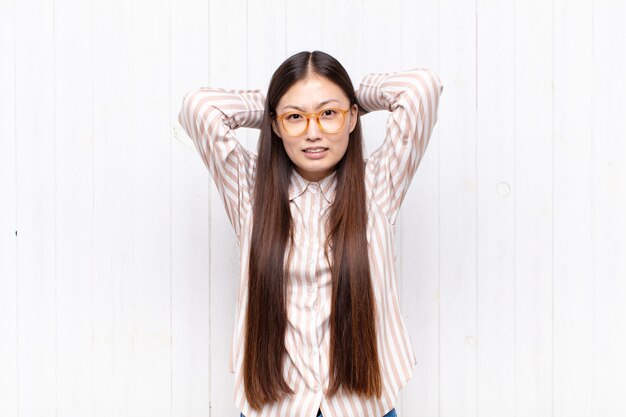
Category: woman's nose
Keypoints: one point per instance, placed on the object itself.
(313, 131)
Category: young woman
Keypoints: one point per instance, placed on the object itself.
(318, 325)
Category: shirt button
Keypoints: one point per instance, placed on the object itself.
(311, 288)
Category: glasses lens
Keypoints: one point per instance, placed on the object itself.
(294, 123)
(331, 120)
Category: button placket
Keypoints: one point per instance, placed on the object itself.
(313, 235)
(312, 287)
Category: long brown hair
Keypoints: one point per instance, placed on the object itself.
(353, 349)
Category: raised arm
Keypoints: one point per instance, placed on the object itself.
(210, 116)
(412, 97)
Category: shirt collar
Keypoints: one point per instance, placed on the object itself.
(299, 184)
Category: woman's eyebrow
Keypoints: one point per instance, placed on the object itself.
(318, 106)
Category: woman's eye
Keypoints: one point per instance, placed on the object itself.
(293, 116)
(328, 112)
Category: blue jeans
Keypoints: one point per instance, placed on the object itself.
(391, 413)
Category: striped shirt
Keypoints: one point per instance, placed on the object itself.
(210, 117)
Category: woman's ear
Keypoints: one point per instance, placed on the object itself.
(275, 128)
(354, 114)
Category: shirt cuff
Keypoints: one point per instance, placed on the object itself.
(251, 110)
(370, 95)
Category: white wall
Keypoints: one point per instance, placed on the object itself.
(118, 264)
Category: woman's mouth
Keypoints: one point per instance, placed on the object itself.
(315, 150)
(315, 153)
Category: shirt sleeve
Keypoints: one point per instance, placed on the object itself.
(412, 97)
(210, 117)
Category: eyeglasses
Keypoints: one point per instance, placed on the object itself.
(330, 120)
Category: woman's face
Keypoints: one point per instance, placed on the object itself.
(311, 95)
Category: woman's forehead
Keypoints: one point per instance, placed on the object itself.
(311, 93)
